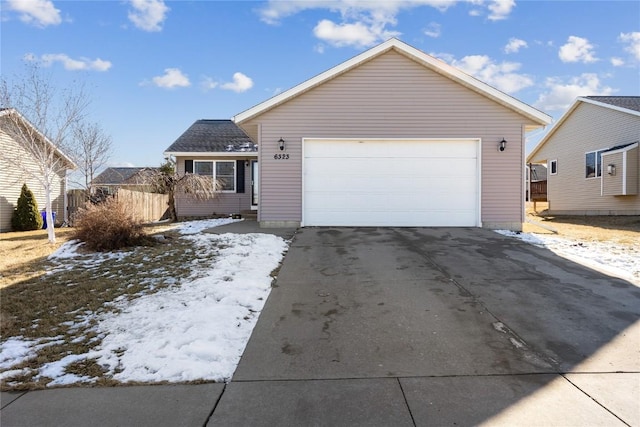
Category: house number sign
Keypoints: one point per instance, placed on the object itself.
(281, 156)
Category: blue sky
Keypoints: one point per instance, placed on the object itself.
(153, 67)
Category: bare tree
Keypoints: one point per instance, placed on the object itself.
(194, 186)
(91, 150)
(40, 119)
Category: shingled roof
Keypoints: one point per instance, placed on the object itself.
(627, 102)
(117, 176)
(213, 136)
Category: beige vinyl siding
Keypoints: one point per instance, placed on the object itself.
(12, 178)
(588, 128)
(391, 96)
(612, 185)
(633, 173)
(224, 204)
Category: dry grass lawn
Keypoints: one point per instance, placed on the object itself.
(22, 253)
(46, 300)
(621, 230)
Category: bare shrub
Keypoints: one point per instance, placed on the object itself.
(108, 225)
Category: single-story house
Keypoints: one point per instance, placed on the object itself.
(391, 137)
(592, 158)
(223, 150)
(18, 167)
(131, 178)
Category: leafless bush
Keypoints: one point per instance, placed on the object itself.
(108, 225)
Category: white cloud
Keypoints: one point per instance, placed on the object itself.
(632, 40)
(364, 23)
(71, 64)
(148, 15)
(208, 83)
(502, 76)
(561, 94)
(433, 30)
(241, 83)
(36, 12)
(617, 62)
(500, 9)
(172, 78)
(515, 45)
(357, 34)
(577, 49)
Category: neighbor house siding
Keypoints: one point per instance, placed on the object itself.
(224, 204)
(589, 127)
(391, 96)
(12, 178)
(633, 174)
(612, 185)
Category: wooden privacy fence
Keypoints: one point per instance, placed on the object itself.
(146, 207)
(76, 199)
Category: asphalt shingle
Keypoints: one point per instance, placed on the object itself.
(206, 136)
(628, 102)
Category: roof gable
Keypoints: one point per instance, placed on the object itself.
(118, 176)
(625, 104)
(212, 136)
(7, 112)
(436, 65)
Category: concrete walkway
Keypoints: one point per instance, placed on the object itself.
(392, 327)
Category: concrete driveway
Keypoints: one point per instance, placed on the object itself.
(402, 327)
(408, 326)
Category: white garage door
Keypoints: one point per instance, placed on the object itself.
(410, 183)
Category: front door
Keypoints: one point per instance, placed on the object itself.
(254, 184)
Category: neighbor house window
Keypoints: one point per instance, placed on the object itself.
(553, 167)
(593, 164)
(223, 171)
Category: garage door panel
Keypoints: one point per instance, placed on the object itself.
(390, 149)
(392, 183)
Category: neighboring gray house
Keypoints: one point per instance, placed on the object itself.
(221, 149)
(18, 167)
(130, 178)
(592, 158)
(391, 137)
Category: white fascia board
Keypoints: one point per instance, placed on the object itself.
(6, 112)
(209, 154)
(609, 106)
(472, 83)
(556, 126)
(622, 150)
(315, 81)
(429, 61)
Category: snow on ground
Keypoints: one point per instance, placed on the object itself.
(200, 329)
(195, 227)
(196, 330)
(607, 257)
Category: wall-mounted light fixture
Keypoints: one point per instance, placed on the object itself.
(611, 169)
(246, 163)
(502, 145)
(281, 144)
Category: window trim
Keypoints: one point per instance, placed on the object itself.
(598, 165)
(553, 164)
(213, 171)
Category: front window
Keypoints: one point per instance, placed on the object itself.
(226, 175)
(593, 164)
(223, 171)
